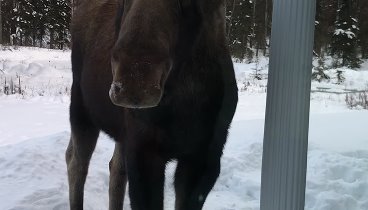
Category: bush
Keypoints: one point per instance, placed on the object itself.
(356, 100)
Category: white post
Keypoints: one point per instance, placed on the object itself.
(285, 145)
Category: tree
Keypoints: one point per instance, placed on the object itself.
(345, 41)
(36, 22)
(363, 26)
(319, 71)
(239, 27)
(260, 26)
(326, 12)
(60, 13)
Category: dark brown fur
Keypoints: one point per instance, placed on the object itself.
(190, 121)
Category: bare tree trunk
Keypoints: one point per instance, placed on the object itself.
(34, 38)
(51, 38)
(19, 88)
(253, 24)
(266, 26)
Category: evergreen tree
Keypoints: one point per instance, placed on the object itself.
(340, 77)
(34, 22)
(41, 13)
(363, 26)
(260, 25)
(61, 20)
(239, 27)
(341, 27)
(319, 71)
(345, 41)
(326, 12)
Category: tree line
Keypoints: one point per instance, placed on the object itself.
(38, 23)
(341, 31)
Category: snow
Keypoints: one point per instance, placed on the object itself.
(348, 33)
(42, 72)
(34, 133)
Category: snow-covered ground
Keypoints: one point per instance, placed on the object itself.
(34, 132)
(41, 72)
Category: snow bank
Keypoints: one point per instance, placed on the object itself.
(41, 72)
(33, 170)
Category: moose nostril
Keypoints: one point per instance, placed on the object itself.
(117, 87)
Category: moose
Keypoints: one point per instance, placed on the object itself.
(157, 77)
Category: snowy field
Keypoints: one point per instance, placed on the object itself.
(34, 132)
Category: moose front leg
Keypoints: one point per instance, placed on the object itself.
(194, 179)
(146, 172)
(118, 178)
(84, 135)
(78, 155)
(195, 176)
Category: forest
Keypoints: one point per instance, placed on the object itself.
(341, 32)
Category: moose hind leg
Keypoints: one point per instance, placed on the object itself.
(118, 179)
(78, 154)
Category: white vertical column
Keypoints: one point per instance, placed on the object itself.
(285, 146)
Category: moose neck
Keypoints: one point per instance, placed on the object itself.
(201, 36)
